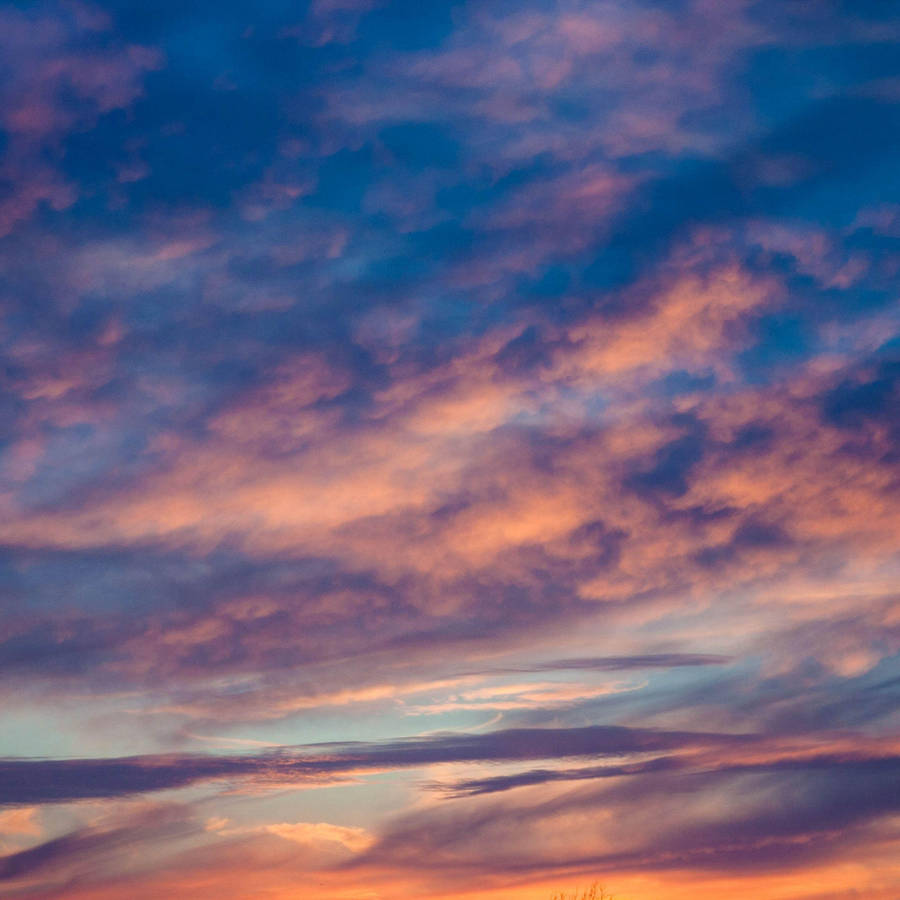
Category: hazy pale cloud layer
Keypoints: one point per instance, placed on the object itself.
(450, 449)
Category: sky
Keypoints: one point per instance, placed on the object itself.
(450, 449)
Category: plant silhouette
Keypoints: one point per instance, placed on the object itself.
(594, 892)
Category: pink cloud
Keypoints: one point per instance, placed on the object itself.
(41, 51)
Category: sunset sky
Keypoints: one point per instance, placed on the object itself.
(450, 449)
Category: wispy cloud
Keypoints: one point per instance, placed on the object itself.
(523, 372)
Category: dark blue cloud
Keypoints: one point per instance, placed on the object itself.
(26, 781)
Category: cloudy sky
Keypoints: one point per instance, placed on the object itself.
(450, 449)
